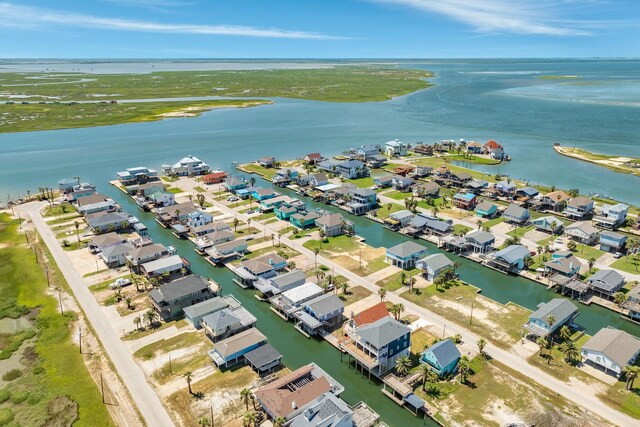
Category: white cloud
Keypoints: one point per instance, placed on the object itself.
(507, 16)
(26, 17)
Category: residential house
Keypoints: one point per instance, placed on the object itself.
(434, 264)
(328, 166)
(146, 189)
(261, 194)
(331, 224)
(216, 177)
(136, 176)
(493, 150)
(376, 346)
(480, 241)
(213, 227)
(442, 357)
(198, 218)
(161, 199)
(477, 186)
(66, 185)
(226, 251)
(437, 227)
(324, 311)
(486, 209)
(170, 299)
(115, 256)
(527, 193)
(426, 189)
(611, 216)
(632, 304)
(506, 188)
(195, 313)
(454, 179)
(325, 410)
(367, 151)
(421, 171)
(369, 315)
(402, 183)
(398, 219)
(606, 282)
(560, 310)
(352, 169)
(280, 283)
(582, 232)
(80, 191)
(268, 205)
(262, 267)
(263, 359)
(362, 201)
(417, 225)
(423, 149)
(233, 184)
(284, 176)
(289, 302)
(474, 147)
(549, 224)
(396, 148)
(612, 350)
(404, 170)
(101, 222)
(284, 212)
(318, 179)
(563, 263)
(227, 322)
(465, 201)
(610, 241)
(510, 259)
(146, 253)
(302, 221)
(170, 264)
(267, 161)
(555, 201)
(313, 158)
(516, 214)
(232, 350)
(175, 213)
(292, 394)
(376, 161)
(102, 241)
(579, 208)
(405, 254)
(211, 238)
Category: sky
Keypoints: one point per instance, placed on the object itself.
(319, 28)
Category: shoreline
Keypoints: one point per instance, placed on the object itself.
(614, 163)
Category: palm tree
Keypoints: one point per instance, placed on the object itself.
(399, 310)
(245, 397)
(382, 293)
(591, 262)
(137, 321)
(479, 224)
(464, 366)
(435, 211)
(76, 224)
(564, 333)
(188, 376)
(539, 249)
(204, 422)
(571, 351)
(252, 181)
(403, 365)
(249, 225)
(201, 200)
(619, 298)
(631, 373)
(249, 419)
(345, 287)
(481, 345)
(542, 343)
(236, 221)
(425, 375)
(403, 277)
(151, 316)
(412, 282)
(279, 422)
(316, 251)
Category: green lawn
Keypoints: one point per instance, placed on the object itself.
(174, 190)
(355, 293)
(393, 282)
(398, 195)
(473, 159)
(461, 229)
(266, 173)
(627, 401)
(366, 182)
(520, 231)
(385, 210)
(199, 189)
(586, 252)
(333, 244)
(59, 209)
(491, 222)
(54, 368)
(182, 341)
(70, 218)
(140, 333)
(630, 265)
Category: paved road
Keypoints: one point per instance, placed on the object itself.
(572, 393)
(132, 375)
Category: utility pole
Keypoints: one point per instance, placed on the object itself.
(102, 388)
(170, 366)
(80, 338)
(211, 408)
(60, 301)
(46, 271)
(444, 331)
(471, 317)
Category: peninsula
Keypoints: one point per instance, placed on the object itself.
(622, 164)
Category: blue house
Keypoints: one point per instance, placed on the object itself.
(561, 310)
(261, 194)
(610, 241)
(486, 210)
(405, 254)
(233, 184)
(383, 181)
(231, 350)
(284, 212)
(509, 259)
(550, 224)
(323, 311)
(362, 200)
(304, 220)
(442, 357)
(516, 214)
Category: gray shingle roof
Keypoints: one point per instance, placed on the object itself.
(238, 342)
(606, 280)
(205, 307)
(263, 355)
(559, 308)
(382, 332)
(485, 206)
(179, 288)
(406, 249)
(222, 319)
(330, 220)
(512, 253)
(564, 264)
(286, 279)
(482, 237)
(445, 352)
(612, 235)
(437, 261)
(327, 410)
(515, 211)
(325, 304)
(116, 250)
(617, 345)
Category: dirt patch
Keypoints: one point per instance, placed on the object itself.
(63, 412)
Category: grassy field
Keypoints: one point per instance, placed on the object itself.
(355, 293)
(266, 173)
(333, 244)
(473, 159)
(184, 340)
(53, 367)
(366, 182)
(630, 265)
(627, 165)
(394, 282)
(586, 252)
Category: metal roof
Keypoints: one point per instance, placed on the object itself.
(325, 304)
(617, 345)
(444, 351)
(559, 308)
(406, 249)
(263, 356)
(382, 332)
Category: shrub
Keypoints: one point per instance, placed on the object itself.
(12, 375)
(6, 416)
(4, 395)
(19, 396)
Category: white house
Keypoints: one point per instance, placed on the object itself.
(199, 218)
(611, 349)
(187, 166)
(395, 148)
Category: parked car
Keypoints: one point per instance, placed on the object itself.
(120, 283)
(232, 199)
(617, 255)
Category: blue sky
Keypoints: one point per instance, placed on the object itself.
(318, 28)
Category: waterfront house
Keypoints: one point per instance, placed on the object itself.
(477, 186)
(362, 200)
(610, 241)
(174, 213)
(611, 216)
(437, 227)
(369, 315)
(526, 193)
(284, 212)
(261, 194)
(328, 166)
(102, 241)
(423, 149)
(554, 201)
(402, 183)
(143, 234)
(324, 311)
(632, 304)
(66, 185)
(101, 222)
(486, 209)
(376, 346)
(493, 150)
(582, 232)
(434, 264)
(405, 254)
(161, 199)
(146, 253)
(136, 176)
(398, 219)
(194, 313)
(564, 264)
(232, 350)
(376, 161)
(549, 224)
(606, 282)
(289, 302)
(227, 251)
(367, 151)
(107, 205)
(416, 225)
(456, 179)
(187, 166)
(233, 184)
(442, 357)
(284, 176)
(267, 161)
(421, 171)
(115, 256)
(579, 208)
(325, 410)
(479, 241)
(261, 267)
(331, 224)
(404, 170)
(510, 259)
(318, 179)
(145, 190)
(280, 283)
(383, 181)
(216, 177)
(170, 299)
(80, 191)
(561, 310)
(302, 221)
(465, 201)
(426, 189)
(198, 218)
(211, 228)
(516, 214)
(474, 147)
(313, 158)
(611, 350)
(263, 359)
(395, 148)
(157, 267)
(268, 205)
(290, 395)
(351, 169)
(227, 322)
(506, 188)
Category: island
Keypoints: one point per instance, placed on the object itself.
(622, 164)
